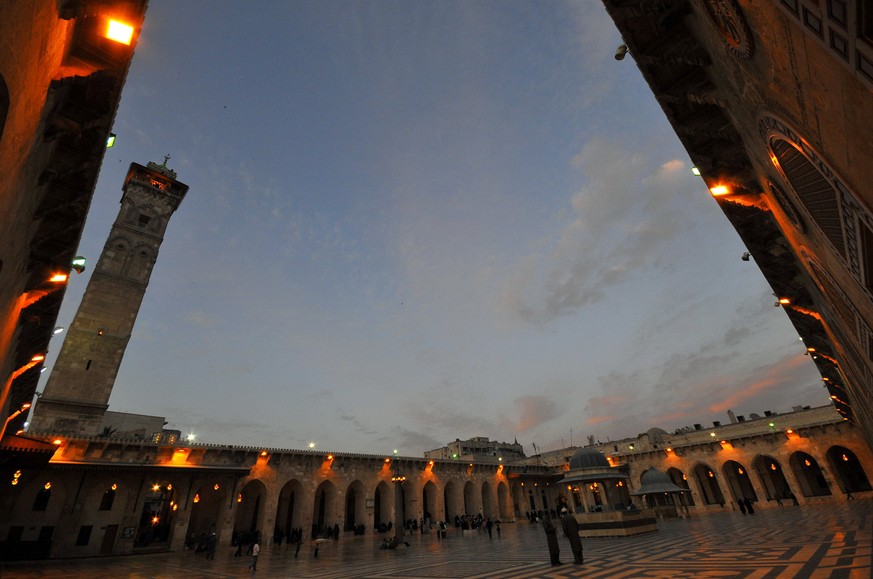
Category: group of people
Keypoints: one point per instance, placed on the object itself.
(571, 530)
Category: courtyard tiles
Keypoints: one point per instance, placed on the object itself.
(817, 541)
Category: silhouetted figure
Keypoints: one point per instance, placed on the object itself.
(497, 526)
(742, 505)
(571, 531)
(552, 540)
(749, 506)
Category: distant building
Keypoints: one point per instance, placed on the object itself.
(478, 449)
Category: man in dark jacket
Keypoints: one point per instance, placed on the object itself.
(552, 540)
(571, 531)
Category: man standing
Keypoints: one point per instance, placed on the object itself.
(256, 550)
(552, 540)
(571, 531)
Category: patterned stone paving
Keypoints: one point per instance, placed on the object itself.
(823, 541)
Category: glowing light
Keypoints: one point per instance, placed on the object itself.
(57, 442)
(263, 453)
(175, 507)
(669, 449)
(430, 463)
(387, 460)
(712, 434)
(569, 487)
(169, 487)
(215, 487)
(37, 358)
(845, 458)
(684, 476)
(711, 475)
(156, 487)
(47, 486)
(114, 487)
(197, 498)
(330, 457)
(695, 171)
(810, 349)
(719, 190)
(807, 463)
(57, 331)
(789, 431)
(110, 140)
(119, 32)
(784, 301)
(58, 278)
(740, 471)
(773, 466)
(311, 445)
(155, 520)
(620, 483)
(239, 498)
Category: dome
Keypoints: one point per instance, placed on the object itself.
(656, 434)
(588, 458)
(656, 481)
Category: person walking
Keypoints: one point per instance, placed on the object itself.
(256, 550)
(497, 526)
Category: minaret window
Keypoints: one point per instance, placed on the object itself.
(143, 220)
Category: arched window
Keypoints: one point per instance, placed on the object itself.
(42, 498)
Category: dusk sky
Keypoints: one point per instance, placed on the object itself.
(410, 222)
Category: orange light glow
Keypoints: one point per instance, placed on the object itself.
(175, 507)
(789, 431)
(156, 487)
(784, 301)
(330, 457)
(773, 466)
(719, 190)
(57, 442)
(263, 453)
(711, 475)
(169, 487)
(155, 520)
(807, 463)
(215, 487)
(810, 349)
(197, 498)
(119, 32)
(47, 486)
(239, 498)
(114, 487)
(845, 458)
(387, 460)
(25, 406)
(58, 278)
(740, 471)
(669, 449)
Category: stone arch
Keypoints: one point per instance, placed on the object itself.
(771, 476)
(250, 503)
(289, 511)
(156, 517)
(429, 500)
(206, 505)
(680, 479)
(381, 506)
(737, 477)
(503, 501)
(710, 491)
(408, 500)
(451, 502)
(471, 506)
(808, 474)
(488, 508)
(849, 472)
(355, 513)
(4, 104)
(519, 499)
(324, 507)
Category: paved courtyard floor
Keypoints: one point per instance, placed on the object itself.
(811, 541)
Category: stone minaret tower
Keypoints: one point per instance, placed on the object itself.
(77, 393)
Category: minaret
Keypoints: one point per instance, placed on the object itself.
(76, 395)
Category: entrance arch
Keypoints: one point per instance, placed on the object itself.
(809, 475)
(206, 502)
(429, 500)
(382, 501)
(356, 510)
(470, 502)
(450, 492)
(850, 473)
(155, 525)
(709, 489)
(289, 514)
(737, 477)
(250, 507)
(488, 509)
(502, 501)
(680, 479)
(770, 472)
(324, 508)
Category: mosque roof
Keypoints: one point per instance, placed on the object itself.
(655, 481)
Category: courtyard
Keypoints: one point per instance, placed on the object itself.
(825, 540)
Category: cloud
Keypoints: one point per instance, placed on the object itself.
(533, 411)
(622, 219)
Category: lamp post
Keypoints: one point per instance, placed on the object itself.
(12, 417)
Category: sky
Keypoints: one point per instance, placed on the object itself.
(410, 222)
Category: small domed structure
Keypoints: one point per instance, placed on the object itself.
(588, 458)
